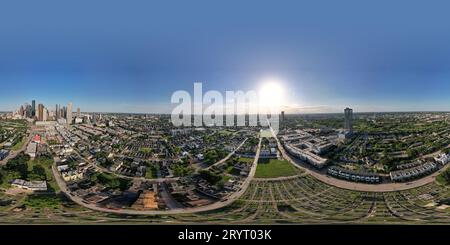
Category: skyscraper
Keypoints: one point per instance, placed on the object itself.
(348, 125)
(21, 111)
(61, 112)
(78, 112)
(69, 114)
(44, 114)
(28, 111)
(56, 112)
(282, 116)
(33, 108)
(40, 114)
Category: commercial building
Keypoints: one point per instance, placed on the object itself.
(306, 156)
(69, 114)
(348, 125)
(30, 185)
(307, 147)
(31, 149)
(40, 115)
(56, 112)
(45, 114)
(33, 108)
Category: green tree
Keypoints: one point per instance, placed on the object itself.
(209, 176)
(38, 173)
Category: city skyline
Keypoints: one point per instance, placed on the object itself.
(132, 64)
(337, 111)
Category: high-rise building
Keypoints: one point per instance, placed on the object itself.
(61, 112)
(40, 112)
(56, 112)
(28, 111)
(64, 112)
(21, 111)
(78, 112)
(45, 114)
(282, 116)
(33, 108)
(69, 114)
(348, 125)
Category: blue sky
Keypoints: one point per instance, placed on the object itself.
(130, 57)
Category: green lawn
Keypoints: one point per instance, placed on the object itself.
(273, 168)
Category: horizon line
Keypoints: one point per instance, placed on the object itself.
(286, 113)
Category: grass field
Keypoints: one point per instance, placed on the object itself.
(273, 168)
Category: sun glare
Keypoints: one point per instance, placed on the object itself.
(271, 93)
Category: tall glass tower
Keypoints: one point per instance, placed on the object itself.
(33, 108)
(348, 126)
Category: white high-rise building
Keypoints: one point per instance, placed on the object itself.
(45, 114)
(348, 120)
(69, 114)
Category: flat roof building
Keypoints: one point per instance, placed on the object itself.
(31, 149)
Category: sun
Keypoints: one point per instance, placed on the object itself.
(271, 94)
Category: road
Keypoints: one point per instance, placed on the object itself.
(387, 187)
(220, 204)
(228, 156)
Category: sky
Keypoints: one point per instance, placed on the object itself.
(130, 56)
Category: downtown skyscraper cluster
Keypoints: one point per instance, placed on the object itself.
(40, 112)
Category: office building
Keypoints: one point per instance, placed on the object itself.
(56, 112)
(69, 114)
(45, 114)
(33, 108)
(348, 126)
(40, 112)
